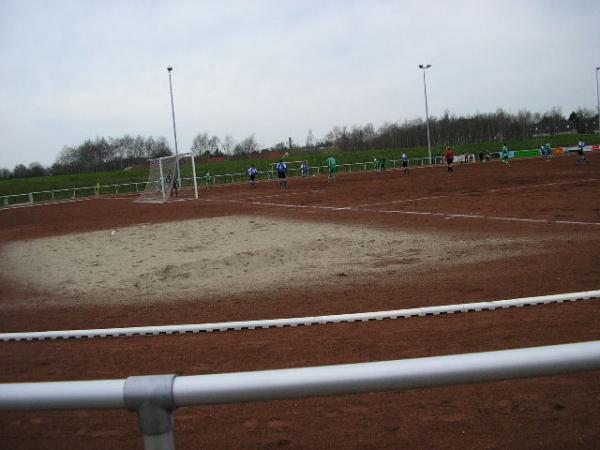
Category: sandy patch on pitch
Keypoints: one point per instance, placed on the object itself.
(197, 259)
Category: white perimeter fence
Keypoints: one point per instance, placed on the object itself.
(155, 397)
(31, 198)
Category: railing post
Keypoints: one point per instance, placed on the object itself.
(31, 198)
(151, 396)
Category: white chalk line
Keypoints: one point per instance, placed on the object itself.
(509, 188)
(482, 217)
(283, 194)
(394, 202)
(368, 207)
(417, 213)
(299, 321)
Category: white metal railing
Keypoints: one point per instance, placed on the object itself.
(299, 321)
(71, 193)
(31, 198)
(156, 397)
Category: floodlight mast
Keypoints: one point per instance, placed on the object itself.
(424, 67)
(598, 98)
(169, 69)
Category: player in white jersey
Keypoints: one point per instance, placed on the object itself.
(304, 169)
(252, 172)
(580, 157)
(282, 174)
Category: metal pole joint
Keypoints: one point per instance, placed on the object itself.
(151, 396)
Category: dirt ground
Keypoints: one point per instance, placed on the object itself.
(369, 242)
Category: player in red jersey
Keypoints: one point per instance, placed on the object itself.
(449, 157)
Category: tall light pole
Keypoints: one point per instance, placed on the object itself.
(425, 67)
(169, 69)
(598, 97)
(178, 171)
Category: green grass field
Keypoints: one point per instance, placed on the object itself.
(49, 183)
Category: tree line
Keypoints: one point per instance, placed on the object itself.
(462, 130)
(106, 154)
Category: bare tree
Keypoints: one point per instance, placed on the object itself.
(20, 171)
(213, 145)
(246, 147)
(310, 139)
(200, 144)
(37, 170)
(228, 145)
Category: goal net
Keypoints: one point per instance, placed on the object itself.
(170, 178)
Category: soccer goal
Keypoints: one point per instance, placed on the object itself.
(170, 178)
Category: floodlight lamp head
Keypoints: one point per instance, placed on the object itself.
(421, 66)
(169, 68)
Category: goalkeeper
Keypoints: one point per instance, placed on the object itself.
(171, 182)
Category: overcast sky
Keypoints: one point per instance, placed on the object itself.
(73, 70)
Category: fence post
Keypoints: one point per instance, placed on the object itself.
(31, 198)
(151, 396)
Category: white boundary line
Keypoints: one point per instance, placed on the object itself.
(416, 213)
(481, 217)
(299, 321)
(508, 188)
(368, 207)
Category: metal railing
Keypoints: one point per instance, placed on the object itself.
(71, 193)
(156, 397)
(75, 193)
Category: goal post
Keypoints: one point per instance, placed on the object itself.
(170, 178)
